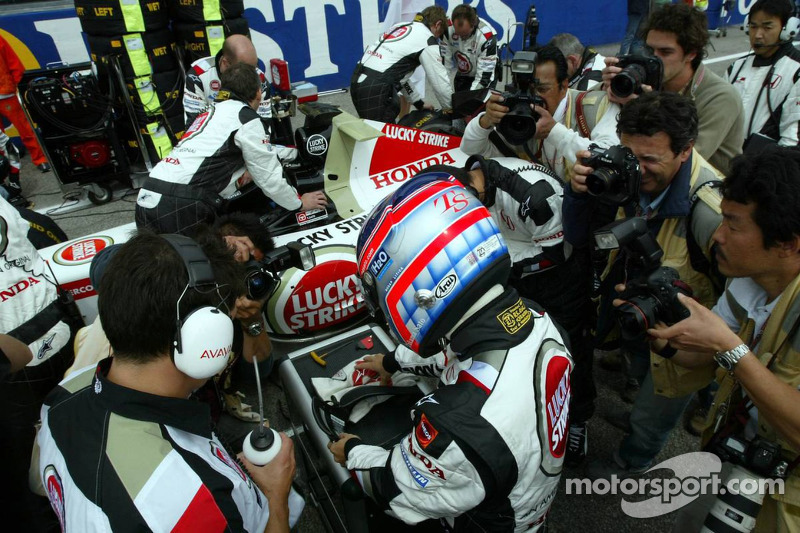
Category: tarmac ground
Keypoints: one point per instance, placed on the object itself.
(569, 512)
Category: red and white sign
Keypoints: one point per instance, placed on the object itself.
(463, 64)
(82, 251)
(557, 393)
(398, 33)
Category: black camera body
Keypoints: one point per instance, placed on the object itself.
(758, 455)
(262, 277)
(519, 124)
(616, 175)
(651, 298)
(637, 70)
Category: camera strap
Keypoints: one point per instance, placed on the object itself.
(580, 116)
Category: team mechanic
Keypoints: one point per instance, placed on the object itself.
(768, 80)
(203, 78)
(186, 187)
(388, 64)
(474, 458)
(122, 446)
(472, 50)
(525, 201)
(33, 313)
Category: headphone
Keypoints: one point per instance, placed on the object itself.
(204, 337)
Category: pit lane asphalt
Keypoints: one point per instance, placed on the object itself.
(568, 512)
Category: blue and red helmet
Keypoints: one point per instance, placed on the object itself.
(425, 255)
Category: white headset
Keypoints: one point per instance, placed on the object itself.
(204, 337)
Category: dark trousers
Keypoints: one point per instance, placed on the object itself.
(21, 398)
(375, 101)
(174, 215)
(564, 292)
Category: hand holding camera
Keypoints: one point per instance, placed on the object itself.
(703, 331)
(626, 77)
(611, 174)
(495, 111)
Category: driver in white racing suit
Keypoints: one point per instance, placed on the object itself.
(474, 457)
(472, 50)
(203, 78)
(388, 64)
(187, 187)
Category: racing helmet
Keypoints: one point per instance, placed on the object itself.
(425, 255)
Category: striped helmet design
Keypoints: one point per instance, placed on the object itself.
(427, 248)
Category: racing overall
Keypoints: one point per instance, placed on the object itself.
(475, 457)
(473, 59)
(387, 66)
(185, 188)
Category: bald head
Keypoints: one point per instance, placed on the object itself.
(238, 49)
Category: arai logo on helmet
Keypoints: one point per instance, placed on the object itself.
(446, 286)
(316, 144)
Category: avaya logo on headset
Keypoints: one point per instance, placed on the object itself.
(214, 353)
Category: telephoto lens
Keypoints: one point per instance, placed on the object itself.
(736, 510)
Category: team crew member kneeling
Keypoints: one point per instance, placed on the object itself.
(388, 64)
(433, 260)
(186, 188)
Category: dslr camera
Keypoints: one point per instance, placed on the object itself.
(652, 296)
(616, 175)
(751, 462)
(519, 124)
(262, 278)
(636, 71)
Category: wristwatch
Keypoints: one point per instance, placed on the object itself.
(729, 358)
(255, 329)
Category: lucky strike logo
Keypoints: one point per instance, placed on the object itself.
(557, 392)
(462, 62)
(215, 85)
(55, 493)
(425, 432)
(80, 252)
(399, 33)
(326, 295)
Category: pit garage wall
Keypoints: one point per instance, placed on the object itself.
(323, 39)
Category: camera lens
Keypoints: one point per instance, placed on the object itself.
(519, 124)
(628, 81)
(636, 315)
(602, 181)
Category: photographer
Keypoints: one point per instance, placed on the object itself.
(556, 121)
(122, 447)
(752, 332)
(388, 64)
(660, 130)
(525, 202)
(471, 50)
(185, 188)
(584, 64)
(677, 34)
(768, 80)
